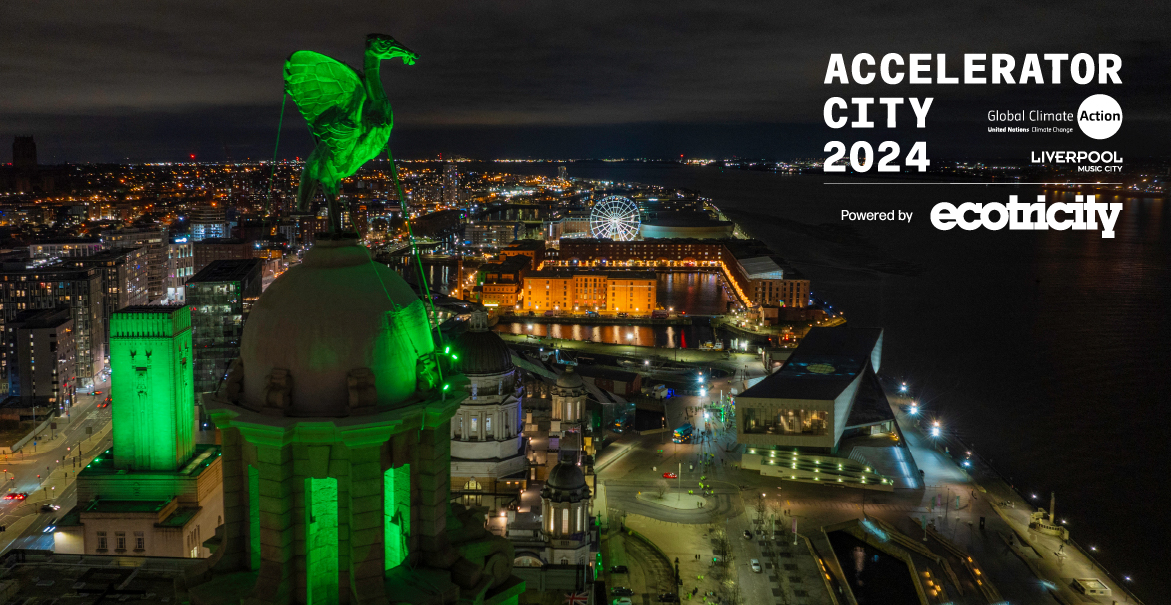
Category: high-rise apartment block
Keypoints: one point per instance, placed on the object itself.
(79, 289)
(42, 356)
(155, 241)
(450, 184)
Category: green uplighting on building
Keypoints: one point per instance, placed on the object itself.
(150, 354)
(396, 514)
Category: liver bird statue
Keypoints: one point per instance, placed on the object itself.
(347, 113)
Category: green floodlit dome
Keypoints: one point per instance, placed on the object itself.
(336, 312)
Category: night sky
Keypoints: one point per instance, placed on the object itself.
(144, 81)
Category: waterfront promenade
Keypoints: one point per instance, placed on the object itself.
(1032, 569)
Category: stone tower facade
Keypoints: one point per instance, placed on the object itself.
(152, 387)
(336, 425)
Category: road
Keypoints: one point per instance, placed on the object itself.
(46, 472)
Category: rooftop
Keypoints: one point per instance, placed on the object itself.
(223, 270)
(160, 309)
(204, 455)
(824, 364)
(762, 267)
(569, 273)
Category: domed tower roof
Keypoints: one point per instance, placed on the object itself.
(336, 312)
(569, 379)
(566, 483)
(482, 351)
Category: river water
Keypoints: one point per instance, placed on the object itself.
(1048, 350)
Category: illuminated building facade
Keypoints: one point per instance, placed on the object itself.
(41, 348)
(756, 275)
(336, 428)
(450, 184)
(582, 290)
(124, 274)
(209, 221)
(180, 267)
(155, 242)
(499, 284)
(487, 452)
(65, 248)
(155, 492)
(46, 288)
(808, 402)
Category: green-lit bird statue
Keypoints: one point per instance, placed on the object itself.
(347, 113)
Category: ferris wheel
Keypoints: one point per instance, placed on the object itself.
(615, 217)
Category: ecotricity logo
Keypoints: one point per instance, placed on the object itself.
(1083, 215)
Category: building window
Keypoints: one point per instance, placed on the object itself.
(475, 424)
(488, 425)
(564, 521)
(139, 541)
(121, 536)
(102, 540)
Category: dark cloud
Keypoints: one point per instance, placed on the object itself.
(166, 76)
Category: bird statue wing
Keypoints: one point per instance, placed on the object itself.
(325, 90)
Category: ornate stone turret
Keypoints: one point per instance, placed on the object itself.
(336, 436)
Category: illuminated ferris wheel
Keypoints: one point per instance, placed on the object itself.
(615, 217)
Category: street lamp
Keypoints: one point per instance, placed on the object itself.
(935, 430)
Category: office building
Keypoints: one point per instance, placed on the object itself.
(209, 220)
(221, 248)
(220, 297)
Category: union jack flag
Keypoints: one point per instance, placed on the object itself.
(576, 598)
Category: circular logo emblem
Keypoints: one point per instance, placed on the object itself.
(1099, 116)
(821, 368)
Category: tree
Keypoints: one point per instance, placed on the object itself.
(662, 486)
(730, 592)
(761, 507)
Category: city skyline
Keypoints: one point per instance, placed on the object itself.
(159, 84)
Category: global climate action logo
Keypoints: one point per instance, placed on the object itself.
(1099, 116)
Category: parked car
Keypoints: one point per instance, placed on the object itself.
(621, 591)
(618, 569)
(755, 565)
(670, 476)
(747, 535)
(48, 508)
(623, 601)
